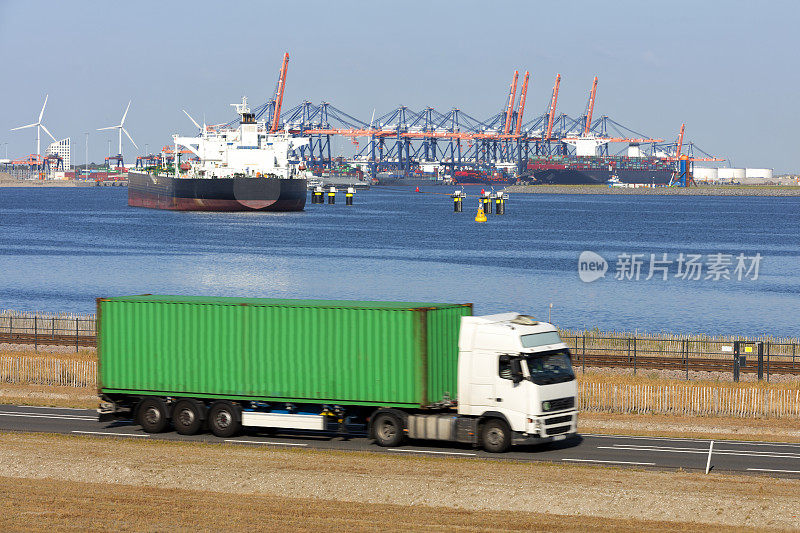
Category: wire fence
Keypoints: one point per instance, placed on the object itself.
(63, 329)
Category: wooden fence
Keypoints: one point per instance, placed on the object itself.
(690, 399)
(48, 371)
(678, 399)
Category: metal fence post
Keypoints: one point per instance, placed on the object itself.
(760, 361)
(767, 350)
(35, 333)
(53, 330)
(736, 361)
(583, 354)
(634, 356)
(686, 356)
(76, 334)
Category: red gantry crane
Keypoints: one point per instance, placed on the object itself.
(510, 108)
(521, 109)
(590, 108)
(276, 119)
(552, 112)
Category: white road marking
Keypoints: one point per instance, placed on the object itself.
(110, 433)
(265, 442)
(609, 462)
(733, 442)
(56, 408)
(774, 470)
(636, 448)
(54, 417)
(427, 451)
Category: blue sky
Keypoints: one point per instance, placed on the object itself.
(727, 69)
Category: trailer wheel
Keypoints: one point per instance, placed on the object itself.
(152, 415)
(495, 436)
(224, 420)
(387, 429)
(187, 417)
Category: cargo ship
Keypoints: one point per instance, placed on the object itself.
(243, 169)
(412, 179)
(585, 170)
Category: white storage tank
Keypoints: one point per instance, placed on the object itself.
(704, 174)
(731, 174)
(759, 173)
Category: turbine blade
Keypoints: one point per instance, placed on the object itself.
(121, 122)
(108, 128)
(47, 131)
(41, 113)
(129, 137)
(23, 127)
(190, 118)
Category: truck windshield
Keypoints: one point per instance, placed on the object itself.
(550, 367)
(534, 340)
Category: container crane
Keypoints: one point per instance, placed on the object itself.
(679, 146)
(510, 108)
(276, 119)
(552, 110)
(590, 108)
(521, 109)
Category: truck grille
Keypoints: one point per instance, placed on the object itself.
(556, 431)
(557, 420)
(558, 404)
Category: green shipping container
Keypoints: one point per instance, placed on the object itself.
(348, 352)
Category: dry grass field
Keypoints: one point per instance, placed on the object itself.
(77, 483)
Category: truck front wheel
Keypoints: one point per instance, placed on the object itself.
(387, 429)
(495, 436)
(152, 415)
(223, 420)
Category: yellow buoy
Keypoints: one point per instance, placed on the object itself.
(481, 216)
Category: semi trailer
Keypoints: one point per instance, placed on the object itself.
(396, 370)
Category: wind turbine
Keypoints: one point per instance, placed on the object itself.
(120, 128)
(38, 124)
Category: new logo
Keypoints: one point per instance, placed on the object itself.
(591, 266)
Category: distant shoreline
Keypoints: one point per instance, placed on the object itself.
(713, 190)
(46, 183)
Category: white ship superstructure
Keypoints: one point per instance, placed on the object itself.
(248, 151)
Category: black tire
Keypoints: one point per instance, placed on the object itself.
(152, 415)
(224, 419)
(187, 417)
(495, 436)
(387, 428)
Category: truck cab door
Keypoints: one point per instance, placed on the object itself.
(510, 391)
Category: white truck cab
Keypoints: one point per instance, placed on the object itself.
(514, 368)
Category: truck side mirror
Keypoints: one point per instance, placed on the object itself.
(516, 370)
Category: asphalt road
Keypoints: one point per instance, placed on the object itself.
(773, 459)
